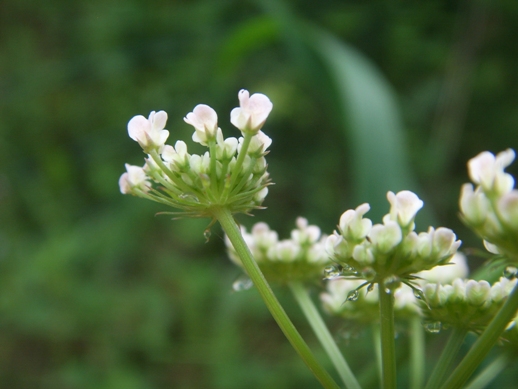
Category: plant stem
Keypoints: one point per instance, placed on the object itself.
(388, 346)
(234, 234)
(489, 373)
(322, 332)
(417, 352)
(485, 342)
(445, 360)
(376, 337)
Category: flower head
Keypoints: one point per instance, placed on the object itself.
(252, 111)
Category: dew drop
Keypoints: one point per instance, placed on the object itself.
(207, 234)
(418, 293)
(433, 327)
(510, 272)
(242, 283)
(353, 295)
(331, 272)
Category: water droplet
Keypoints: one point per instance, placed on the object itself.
(510, 272)
(370, 288)
(353, 295)
(418, 293)
(207, 234)
(331, 272)
(189, 196)
(388, 291)
(433, 327)
(392, 282)
(242, 283)
(368, 273)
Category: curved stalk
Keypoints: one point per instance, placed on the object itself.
(231, 228)
(324, 336)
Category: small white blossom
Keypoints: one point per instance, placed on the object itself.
(177, 155)
(477, 291)
(258, 144)
(353, 226)
(385, 237)
(305, 234)
(404, 207)
(488, 171)
(252, 112)
(205, 122)
(225, 148)
(135, 177)
(473, 204)
(149, 133)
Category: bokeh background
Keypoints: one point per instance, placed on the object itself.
(369, 96)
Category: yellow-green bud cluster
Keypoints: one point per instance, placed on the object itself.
(300, 258)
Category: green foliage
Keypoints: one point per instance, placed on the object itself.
(95, 292)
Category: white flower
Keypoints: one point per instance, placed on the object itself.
(385, 236)
(135, 177)
(252, 112)
(149, 133)
(258, 144)
(473, 204)
(488, 171)
(285, 251)
(305, 234)
(477, 291)
(205, 122)
(353, 226)
(177, 154)
(225, 148)
(404, 207)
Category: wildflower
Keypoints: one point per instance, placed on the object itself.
(149, 133)
(491, 209)
(392, 250)
(228, 175)
(301, 258)
(205, 122)
(252, 112)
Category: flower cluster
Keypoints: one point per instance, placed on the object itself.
(390, 252)
(465, 304)
(491, 209)
(300, 258)
(232, 173)
(346, 297)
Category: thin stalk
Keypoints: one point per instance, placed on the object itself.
(324, 336)
(417, 352)
(446, 359)
(485, 342)
(376, 337)
(234, 234)
(490, 372)
(388, 346)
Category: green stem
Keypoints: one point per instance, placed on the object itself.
(487, 375)
(417, 352)
(234, 234)
(446, 359)
(388, 346)
(324, 336)
(485, 342)
(376, 337)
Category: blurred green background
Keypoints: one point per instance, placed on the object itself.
(369, 96)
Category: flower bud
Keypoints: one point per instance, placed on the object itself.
(253, 111)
